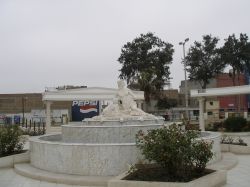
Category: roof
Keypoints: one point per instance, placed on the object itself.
(90, 93)
(223, 91)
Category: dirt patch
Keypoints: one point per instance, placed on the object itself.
(159, 174)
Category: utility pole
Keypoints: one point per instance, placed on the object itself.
(185, 73)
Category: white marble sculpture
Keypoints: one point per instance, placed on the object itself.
(123, 106)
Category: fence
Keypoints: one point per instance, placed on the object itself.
(29, 127)
(33, 128)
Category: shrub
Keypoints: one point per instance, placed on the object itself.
(189, 126)
(178, 152)
(230, 140)
(247, 128)
(240, 141)
(216, 126)
(235, 124)
(10, 140)
(30, 132)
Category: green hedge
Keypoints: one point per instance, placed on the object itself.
(235, 124)
(11, 140)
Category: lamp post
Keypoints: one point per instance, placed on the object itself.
(185, 72)
(23, 107)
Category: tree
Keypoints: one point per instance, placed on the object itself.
(203, 60)
(145, 63)
(236, 53)
(166, 103)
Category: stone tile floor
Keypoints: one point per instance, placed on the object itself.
(240, 175)
(8, 178)
(237, 177)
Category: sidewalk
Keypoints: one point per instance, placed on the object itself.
(239, 176)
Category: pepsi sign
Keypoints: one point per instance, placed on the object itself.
(84, 109)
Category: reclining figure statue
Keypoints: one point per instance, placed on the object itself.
(123, 105)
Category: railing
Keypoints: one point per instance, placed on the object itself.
(29, 127)
(33, 128)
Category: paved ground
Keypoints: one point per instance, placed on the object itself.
(8, 178)
(240, 175)
(237, 177)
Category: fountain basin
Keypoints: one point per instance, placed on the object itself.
(104, 145)
(215, 137)
(51, 154)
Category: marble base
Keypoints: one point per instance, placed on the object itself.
(215, 138)
(82, 158)
(97, 148)
(120, 121)
(104, 134)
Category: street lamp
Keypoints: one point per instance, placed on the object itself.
(23, 105)
(185, 72)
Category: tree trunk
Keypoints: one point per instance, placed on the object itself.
(205, 98)
(235, 97)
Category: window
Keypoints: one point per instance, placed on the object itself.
(196, 112)
(210, 113)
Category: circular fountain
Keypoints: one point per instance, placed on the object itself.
(101, 146)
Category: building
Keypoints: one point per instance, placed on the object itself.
(74, 104)
(232, 103)
(217, 108)
(14, 107)
(191, 85)
(151, 106)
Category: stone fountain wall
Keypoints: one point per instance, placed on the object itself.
(107, 132)
(83, 159)
(104, 154)
(97, 149)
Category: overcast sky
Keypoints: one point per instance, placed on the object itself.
(46, 43)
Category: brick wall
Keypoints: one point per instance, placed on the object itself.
(231, 102)
(13, 103)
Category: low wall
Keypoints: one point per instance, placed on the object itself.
(215, 137)
(9, 161)
(214, 179)
(237, 149)
(237, 134)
